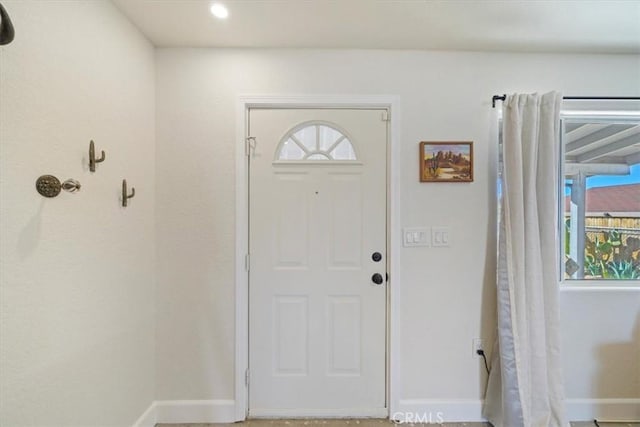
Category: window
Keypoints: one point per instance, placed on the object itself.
(317, 141)
(600, 203)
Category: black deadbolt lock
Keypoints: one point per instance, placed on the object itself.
(376, 256)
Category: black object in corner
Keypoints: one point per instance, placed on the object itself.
(7, 33)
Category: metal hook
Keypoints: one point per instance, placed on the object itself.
(50, 186)
(71, 185)
(7, 33)
(92, 157)
(126, 196)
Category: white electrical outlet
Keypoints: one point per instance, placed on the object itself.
(478, 344)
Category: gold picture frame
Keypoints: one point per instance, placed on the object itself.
(446, 161)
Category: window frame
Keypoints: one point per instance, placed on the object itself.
(602, 115)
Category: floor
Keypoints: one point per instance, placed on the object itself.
(365, 423)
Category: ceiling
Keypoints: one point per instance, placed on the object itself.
(581, 26)
(609, 143)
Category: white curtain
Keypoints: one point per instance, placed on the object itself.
(525, 387)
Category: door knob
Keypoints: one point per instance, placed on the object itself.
(377, 279)
(376, 256)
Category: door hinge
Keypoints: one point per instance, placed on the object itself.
(249, 144)
(247, 262)
(386, 117)
(246, 378)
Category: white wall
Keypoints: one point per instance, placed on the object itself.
(447, 295)
(77, 272)
(602, 329)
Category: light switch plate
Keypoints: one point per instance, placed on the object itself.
(416, 236)
(441, 236)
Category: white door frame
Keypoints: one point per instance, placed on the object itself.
(394, 237)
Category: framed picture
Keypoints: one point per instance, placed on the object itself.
(446, 161)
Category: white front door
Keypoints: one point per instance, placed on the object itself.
(317, 279)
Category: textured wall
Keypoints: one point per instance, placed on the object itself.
(446, 294)
(77, 272)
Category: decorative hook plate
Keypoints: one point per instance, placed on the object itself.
(48, 186)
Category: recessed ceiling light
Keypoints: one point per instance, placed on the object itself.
(219, 10)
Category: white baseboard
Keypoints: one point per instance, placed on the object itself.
(425, 410)
(471, 410)
(438, 410)
(148, 418)
(188, 411)
(603, 409)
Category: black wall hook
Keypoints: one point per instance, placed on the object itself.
(7, 33)
(92, 157)
(125, 195)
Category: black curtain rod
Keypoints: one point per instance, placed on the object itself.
(588, 98)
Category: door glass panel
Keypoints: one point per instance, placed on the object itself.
(291, 151)
(344, 151)
(315, 142)
(307, 137)
(327, 137)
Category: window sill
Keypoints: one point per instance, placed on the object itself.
(599, 285)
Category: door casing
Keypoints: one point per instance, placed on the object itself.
(246, 102)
